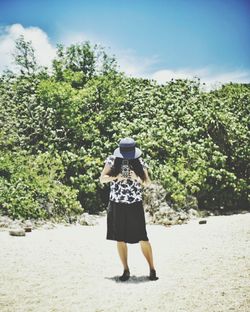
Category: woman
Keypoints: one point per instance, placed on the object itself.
(127, 173)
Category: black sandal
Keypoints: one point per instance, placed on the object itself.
(152, 275)
(125, 276)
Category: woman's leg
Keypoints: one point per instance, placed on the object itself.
(147, 252)
(123, 253)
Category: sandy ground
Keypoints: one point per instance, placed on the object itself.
(74, 268)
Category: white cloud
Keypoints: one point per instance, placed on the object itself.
(167, 74)
(212, 77)
(209, 76)
(44, 50)
(67, 38)
(128, 60)
(133, 65)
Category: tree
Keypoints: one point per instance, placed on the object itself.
(25, 56)
(79, 63)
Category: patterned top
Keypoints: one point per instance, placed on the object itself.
(126, 191)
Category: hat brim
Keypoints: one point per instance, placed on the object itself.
(127, 155)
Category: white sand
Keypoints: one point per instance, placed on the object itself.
(69, 269)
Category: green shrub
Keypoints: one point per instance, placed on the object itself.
(31, 187)
(57, 129)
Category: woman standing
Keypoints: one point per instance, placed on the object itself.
(127, 173)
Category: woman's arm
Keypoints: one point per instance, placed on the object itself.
(105, 178)
(147, 180)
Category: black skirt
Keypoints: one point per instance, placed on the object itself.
(126, 222)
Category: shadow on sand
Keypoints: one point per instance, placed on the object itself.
(133, 279)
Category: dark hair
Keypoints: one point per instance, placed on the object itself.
(134, 164)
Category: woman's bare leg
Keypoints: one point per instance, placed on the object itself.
(123, 253)
(147, 252)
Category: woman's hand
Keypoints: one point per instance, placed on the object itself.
(105, 177)
(132, 176)
(120, 177)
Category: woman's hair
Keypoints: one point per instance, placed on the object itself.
(134, 164)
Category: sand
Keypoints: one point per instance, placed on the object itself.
(74, 268)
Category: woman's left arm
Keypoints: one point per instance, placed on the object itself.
(147, 180)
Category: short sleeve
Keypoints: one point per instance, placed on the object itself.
(144, 165)
(109, 161)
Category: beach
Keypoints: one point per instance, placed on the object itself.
(201, 268)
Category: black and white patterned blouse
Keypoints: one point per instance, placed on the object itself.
(126, 191)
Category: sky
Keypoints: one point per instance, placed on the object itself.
(155, 39)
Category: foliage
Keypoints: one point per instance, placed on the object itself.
(31, 187)
(68, 121)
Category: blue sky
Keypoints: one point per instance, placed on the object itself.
(151, 38)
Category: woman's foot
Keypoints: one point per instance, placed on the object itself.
(125, 276)
(152, 275)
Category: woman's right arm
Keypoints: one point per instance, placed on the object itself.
(105, 178)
